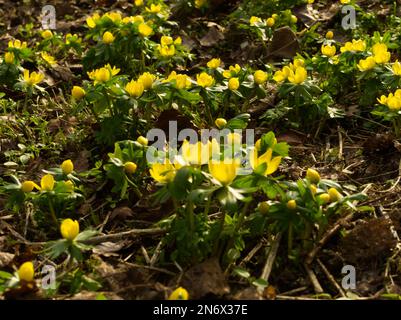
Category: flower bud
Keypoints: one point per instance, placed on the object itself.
(313, 176)
(130, 167)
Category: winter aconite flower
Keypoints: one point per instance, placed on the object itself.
(154, 8)
(179, 294)
(366, 64)
(313, 176)
(299, 76)
(214, 63)
(291, 204)
(48, 58)
(47, 182)
(142, 140)
(328, 50)
(27, 186)
(77, 92)
(334, 194)
(254, 20)
(147, 80)
(91, 21)
(271, 164)
(26, 272)
(380, 53)
(224, 171)
(134, 88)
(260, 77)
(17, 44)
(195, 153)
(163, 172)
(396, 68)
(220, 123)
(32, 79)
(232, 71)
(329, 35)
(166, 51)
(355, 45)
(103, 74)
(324, 197)
(9, 57)
(233, 84)
(145, 30)
(108, 37)
(270, 22)
(182, 81)
(204, 80)
(67, 167)
(69, 229)
(47, 34)
(130, 167)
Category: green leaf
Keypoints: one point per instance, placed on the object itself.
(242, 272)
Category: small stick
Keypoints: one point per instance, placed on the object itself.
(156, 254)
(331, 278)
(315, 282)
(270, 258)
(145, 255)
(121, 235)
(251, 253)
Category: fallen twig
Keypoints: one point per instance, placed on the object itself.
(271, 257)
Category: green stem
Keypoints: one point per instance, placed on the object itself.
(52, 212)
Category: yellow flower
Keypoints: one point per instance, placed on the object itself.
(100, 75)
(154, 8)
(204, 80)
(232, 71)
(334, 194)
(17, 44)
(47, 182)
(382, 100)
(233, 84)
(270, 22)
(179, 294)
(27, 186)
(195, 153)
(224, 171)
(258, 144)
(138, 3)
(142, 140)
(26, 272)
(166, 40)
(166, 51)
(298, 76)
(260, 76)
(313, 189)
(382, 57)
(147, 80)
(345, 1)
(271, 163)
(329, 35)
(69, 185)
(145, 30)
(162, 172)
(78, 92)
(294, 19)
(324, 197)
(178, 41)
(33, 78)
(67, 167)
(280, 76)
(182, 81)
(200, 3)
(313, 176)
(48, 58)
(113, 16)
(291, 204)
(366, 64)
(220, 123)
(134, 88)
(396, 68)
(130, 167)
(394, 103)
(214, 63)
(355, 45)
(108, 37)
(9, 57)
(69, 229)
(47, 34)
(254, 20)
(263, 207)
(91, 21)
(328, 50)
